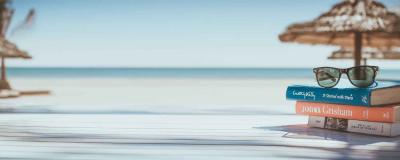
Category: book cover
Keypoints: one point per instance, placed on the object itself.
(388, 114)
(386, 93)
(356, 126)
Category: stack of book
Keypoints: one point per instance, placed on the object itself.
(370, 110)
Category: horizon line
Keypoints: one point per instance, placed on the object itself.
(166, 68)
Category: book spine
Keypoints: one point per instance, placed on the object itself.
(356, 97)
(372, 128)
(373, 114)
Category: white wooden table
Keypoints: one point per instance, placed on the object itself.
(152, 136)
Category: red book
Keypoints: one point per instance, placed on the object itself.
(373, 114)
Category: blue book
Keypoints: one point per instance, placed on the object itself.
(381, 93)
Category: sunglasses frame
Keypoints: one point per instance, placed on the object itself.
(346, 71)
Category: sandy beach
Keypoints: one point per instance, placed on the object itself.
(158, 95)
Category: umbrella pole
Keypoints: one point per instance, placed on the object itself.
(357, 48)
(3, 70)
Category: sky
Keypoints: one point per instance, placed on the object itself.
(170, 33)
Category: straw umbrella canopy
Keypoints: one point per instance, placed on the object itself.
(350, 23)
(10, 50)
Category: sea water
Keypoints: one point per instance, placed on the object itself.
(177, 72)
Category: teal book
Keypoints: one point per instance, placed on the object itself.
(381, 93)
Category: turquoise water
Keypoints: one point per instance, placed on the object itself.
(176, 72)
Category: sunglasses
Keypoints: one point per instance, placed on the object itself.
(360, 76)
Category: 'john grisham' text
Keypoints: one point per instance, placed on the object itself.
(327, 111)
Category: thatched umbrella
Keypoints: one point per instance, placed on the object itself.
(7, 49)
(350, 23)
(367, 53)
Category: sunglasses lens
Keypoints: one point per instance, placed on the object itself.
(328, 77)
(362, 76)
